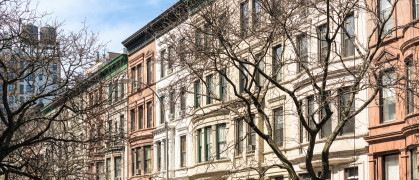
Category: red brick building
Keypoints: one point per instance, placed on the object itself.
(393, 120)
(141, 102)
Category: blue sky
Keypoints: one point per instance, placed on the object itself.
(114, 20)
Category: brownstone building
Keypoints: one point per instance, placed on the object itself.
(141, 102)
(393, 117)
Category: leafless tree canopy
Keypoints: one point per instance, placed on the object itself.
(39, 132)
(264, 52)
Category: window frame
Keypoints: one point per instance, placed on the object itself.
(352, 120)
(301, 40)
(276, 63)
(183, 154)
(345, 38)
(382, 99)
(244, 17)
(277, 138)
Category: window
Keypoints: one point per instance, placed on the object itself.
(386, 8)
(251, 139)
(140, 117)
(21, 89)
(172, 104)
(348, 48)
(414, 163)
(344, 100)
(54, 78)
(242, 78)
(239, 136)
(183, 100)
(207, 36)
(182, 151)
(410, 99)
(391, 167)
(1, 88)
(122, 90)
(279, 127)
(197, 94)
(351, 173)
(387, 97)
(110, 128)
(138, 162)
(118, 170)
(415, 9)
(223, 87)
(149, 115)
(198, 43)
(54, 67)
(310, 114)
(260, 79)
(132, 114)
(199, 145)
(210, 88)
(99, 170)
(132, 162)
(244, 17)
(159, 156)
(110, 94)
(276, 63)
(134, 84)
(140, 75)
(257, 13)
(41, 77)
(149, 71)
(162, 65)
(302, 52)
(116, 93)
(162, 109)
(121, 126)
(221, 141)
(327, 127)
(208, 144)
(28, 88)
(322, 44)
(108, 168)
(147, 159)
(170, 58)
(11, 88)
(301, 128)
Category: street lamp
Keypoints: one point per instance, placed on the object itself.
(166, 126)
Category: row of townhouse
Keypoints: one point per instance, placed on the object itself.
(174, 125)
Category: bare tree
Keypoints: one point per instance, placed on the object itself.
(37, 129)
(278, 50)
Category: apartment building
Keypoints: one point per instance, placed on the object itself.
(226, 147)
(172, 110)
(39, 77)
(141, 102)
(393, 115)
(106, 118)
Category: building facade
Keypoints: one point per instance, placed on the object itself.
(107, 102)
(393, 114)
(141, 103)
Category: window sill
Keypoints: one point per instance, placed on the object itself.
(391, 123)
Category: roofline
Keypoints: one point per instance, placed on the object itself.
(148, 26)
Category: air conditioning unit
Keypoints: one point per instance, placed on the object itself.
(251, 148)
(171, 116)
(138, 171)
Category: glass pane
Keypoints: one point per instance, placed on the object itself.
(414, 163)
(391, 166)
